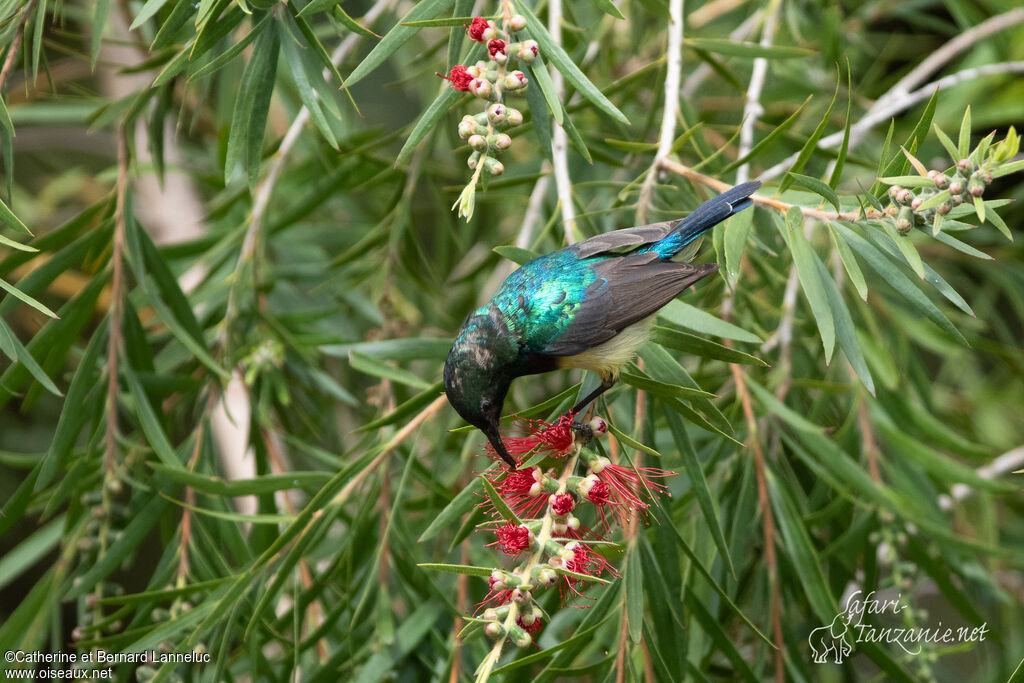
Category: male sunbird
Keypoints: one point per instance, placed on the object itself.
(590, 305)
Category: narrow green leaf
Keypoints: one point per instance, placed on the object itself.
(699, 486)
(633, 576)
(699, 346)
(810, 282)
(148, 420)
(818, 187)
(748, 50)
(557, 56)
(631, 442)
(465, 569)
(539, 74)
(249, 116)
(810, 146)
(737, 231)
(849, 263)
(18, 294)
(845, 330)
(371, 366)
(148, 10)
(881, 264)
(691, 317)
(515, 254)
(788, 415)
(641, 380)
(24, 556)
(767, 140)
(10, 220)
(397, 37)
(268, 483)
(950, 146)
(609, 8)
(844, 147)
(498, 502)
(964, 140)
(307, 92)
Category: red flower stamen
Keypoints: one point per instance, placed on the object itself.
(562, 504)
(622, 486)
(584, 561)
(458, 76)
(553, 438)
(495, 46)
(476, 29)
(534, 626)
(513, 538)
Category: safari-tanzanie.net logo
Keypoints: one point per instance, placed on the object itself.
(836, 641)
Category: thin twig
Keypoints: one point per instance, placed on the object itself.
(1010, 461)
(559, 139)
(114, 343)
(720, 186)
(752, 110)
(955, 46)
(674, 67)
(12, 51)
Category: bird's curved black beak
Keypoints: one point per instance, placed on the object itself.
(494, 436)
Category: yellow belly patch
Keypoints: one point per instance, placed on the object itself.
(606, 359)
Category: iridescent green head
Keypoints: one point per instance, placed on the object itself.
(477, 374)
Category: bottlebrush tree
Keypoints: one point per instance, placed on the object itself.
(237, 239)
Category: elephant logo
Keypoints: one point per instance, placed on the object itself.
(831, 639)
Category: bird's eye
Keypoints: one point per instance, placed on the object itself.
(485, 403)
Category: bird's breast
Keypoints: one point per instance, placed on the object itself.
(606, 359)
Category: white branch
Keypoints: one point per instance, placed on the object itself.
(1011, 461)
(889, 105)
(559, 140)
(753, 109)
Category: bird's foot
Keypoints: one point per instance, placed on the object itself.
(586, 431)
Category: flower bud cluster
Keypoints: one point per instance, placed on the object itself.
(933, 195)
(487, 132)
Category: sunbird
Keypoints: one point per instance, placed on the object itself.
(590, 305)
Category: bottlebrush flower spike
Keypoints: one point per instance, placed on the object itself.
(459, 77)
(554, 438)
(513, 538)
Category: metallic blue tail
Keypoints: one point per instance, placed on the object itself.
(703, 218)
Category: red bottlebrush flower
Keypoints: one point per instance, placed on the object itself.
(495, 46)
(458, 76)
(513, 538)
(562, 503)
(554, 438)
(584, 561)
(622, 487)
(476, 29)
(522, 490)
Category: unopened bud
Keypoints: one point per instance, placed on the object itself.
(976, 187)
(481, 87)
(493, 166)
(496, 113)
(528, 51)
(956, 187)
(467, 127)
(598, 426)
(502, 141)
(964, 165)
(548, 576)
(490, 33)
(491, 614)
(572, 522)
(944, 208)
(940, 180)
(514, 81)
(905, 197)
(905, 221)
(916, 204)
(473, 161)
(478, 142)
(494, 630)
(517, 22)
(894, 190)
(513, 116)
(519, 636)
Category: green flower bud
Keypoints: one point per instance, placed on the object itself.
(478, 142)
(517, 22)
(493, 166)
(514, 81)
(499, 142)
(528, 51)
(513, 117)
(482, 88)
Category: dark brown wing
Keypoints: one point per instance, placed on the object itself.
(619, 239)
(627, 289)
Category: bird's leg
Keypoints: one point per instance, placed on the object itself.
(583, 428)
